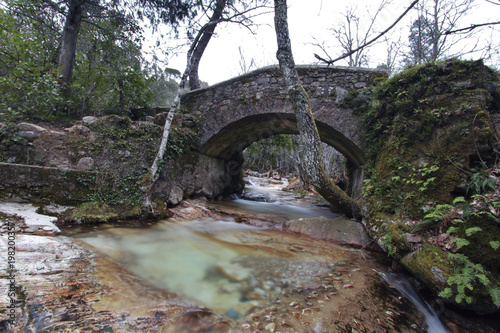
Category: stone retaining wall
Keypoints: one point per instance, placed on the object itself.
(36, 183)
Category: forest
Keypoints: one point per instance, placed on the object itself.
(66, 59)
(108, 131)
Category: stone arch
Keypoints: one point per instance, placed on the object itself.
(235, 113)
(231, 140)
(235, 137)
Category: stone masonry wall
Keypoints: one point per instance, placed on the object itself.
(262, 91)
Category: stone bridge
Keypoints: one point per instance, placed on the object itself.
(255, 106)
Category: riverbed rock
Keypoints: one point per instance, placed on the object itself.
(340, 230)
(89, 119)
(57, 285)
(28, 135)
(233, 271)
(176, 194)
(31, 222)
(31, 127)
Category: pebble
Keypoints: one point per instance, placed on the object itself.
(246, 326)
(271, 327)
(307, 311)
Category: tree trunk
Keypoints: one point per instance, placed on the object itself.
(69, 37)
(206, 34)
(149, 180)
(309, 135)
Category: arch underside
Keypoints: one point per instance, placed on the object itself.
(235, 137)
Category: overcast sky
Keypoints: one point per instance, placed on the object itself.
(308, 20)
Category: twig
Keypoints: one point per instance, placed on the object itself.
(329, 62)
(468, 29)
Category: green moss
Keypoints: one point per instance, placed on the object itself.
(430, 265)
(432, 114)
(93, 212)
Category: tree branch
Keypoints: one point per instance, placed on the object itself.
(329, 62)
(494, 3)
(468, 29)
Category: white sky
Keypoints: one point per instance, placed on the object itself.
(307, 19)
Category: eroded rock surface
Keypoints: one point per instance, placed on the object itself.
(339, 230)
(54, 284)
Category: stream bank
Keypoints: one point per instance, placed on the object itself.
(303, 284)
(276, 281)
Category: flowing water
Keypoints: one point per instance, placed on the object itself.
(401, 283)
(237, 269)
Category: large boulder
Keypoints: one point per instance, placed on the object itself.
(339, 230)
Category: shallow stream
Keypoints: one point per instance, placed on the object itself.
(260, 278)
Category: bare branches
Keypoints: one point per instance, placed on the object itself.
(329, 62)
(470, 28)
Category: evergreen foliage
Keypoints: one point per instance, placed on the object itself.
(110, 75)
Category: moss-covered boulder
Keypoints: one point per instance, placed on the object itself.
(430, 265)
(432, 180)
(427, 127)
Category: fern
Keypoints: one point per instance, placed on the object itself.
(425, 225)
(458, 200)
(495, 296)
(471, 231)
(446, 293)
(459, 258)
(470, 275)
(434, 217)
(460, 242)
(481, 182)
(495, 244)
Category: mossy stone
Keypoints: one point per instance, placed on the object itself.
(430, 265)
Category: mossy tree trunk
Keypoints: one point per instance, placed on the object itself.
(310, 140)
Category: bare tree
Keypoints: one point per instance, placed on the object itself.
(394, 50)
(429, 40)
(368, 43)
(310, 141)
(351, 35)
(244, 66)
(222, 11)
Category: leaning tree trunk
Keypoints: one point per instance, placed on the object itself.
(149, 180)
(312, 161)
(197, 48)
(207, 33)
(69, 38)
